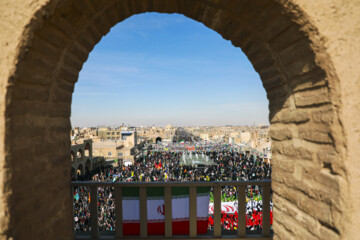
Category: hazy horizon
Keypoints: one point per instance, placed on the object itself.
(129, 125)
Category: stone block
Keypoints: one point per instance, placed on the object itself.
(41, 76)
(329, 156)
(304, 219)
(288, 37)
(279, 24)
(298, 152)
(55, 36)
(312, 79)
(327, 178)
(46, 47)
(325, 116)
(78, 51)
(61, 96)
(291, 116)
(68, 75)
(319, 210)
(312, 97)
(317, 133)
(30, 92)
(280, 134)
(271, 78)
(327, 233)
(277, 93)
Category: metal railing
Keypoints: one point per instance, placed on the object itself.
(241, 232)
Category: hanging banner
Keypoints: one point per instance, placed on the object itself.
(226, 207)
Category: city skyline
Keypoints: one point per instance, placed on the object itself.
(159, 69)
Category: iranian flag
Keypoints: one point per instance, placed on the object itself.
(156, 210)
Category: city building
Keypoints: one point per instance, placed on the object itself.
(81, 158)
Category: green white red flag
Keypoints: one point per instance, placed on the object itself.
(156, 210)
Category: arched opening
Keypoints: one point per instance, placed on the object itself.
(88, 167)
(87, 150)
(87, 153)
(278, 39)
(158, 140)
(80, 172)
(72, 156)
(80, 154)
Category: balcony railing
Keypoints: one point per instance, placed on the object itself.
(241, 232)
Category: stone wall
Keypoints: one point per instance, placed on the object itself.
(304, 51)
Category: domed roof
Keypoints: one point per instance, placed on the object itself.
(168, 126)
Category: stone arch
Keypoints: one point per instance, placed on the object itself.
(80, 153)
(87, 149)
(80, 171)
(72, 156)
(158, 140)
(280, 41)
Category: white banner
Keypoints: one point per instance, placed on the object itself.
(156, 209)
(227, 207)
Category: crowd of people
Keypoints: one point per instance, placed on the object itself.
(165, 163)
(253, 220)
(253, 212)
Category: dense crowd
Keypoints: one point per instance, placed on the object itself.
(253, 220)
(165, 163)
(253, 210)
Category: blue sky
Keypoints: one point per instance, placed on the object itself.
(166, 68)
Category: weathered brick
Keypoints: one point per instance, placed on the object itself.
(286, 38)
(54, 36)
(262, 61)
(308, 205)
(102, 24)
(296, 51)
(291, 116)
(284, 164)
(308, 80)
(326, 116)
(57, 109)
(279, 92)
(236, 7)
(68, 75)
(278, 104)
(281, 134)
(305, 220)
(315, 133)
(327, 233)
(278, 25)
(29, 92)
(240, 36)
(271, 78)
(43, 76)
(328, 179)
(330, 157)
(299, 67)
(78, 51)
(216, 19)
(261, 21)
(61, 96)
(312, 97)
(46, 47)
(298, 152)
(67, 86)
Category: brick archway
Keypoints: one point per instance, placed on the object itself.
(309, 175)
